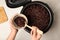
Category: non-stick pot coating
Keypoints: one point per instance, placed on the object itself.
(39, 14)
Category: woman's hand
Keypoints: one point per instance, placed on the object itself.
(12, 26)
(35, 35)
(13, 32)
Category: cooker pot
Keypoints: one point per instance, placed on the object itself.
(25, 4)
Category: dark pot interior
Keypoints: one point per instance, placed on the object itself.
(32, 22)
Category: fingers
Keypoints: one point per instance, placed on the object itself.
(35, 34)
(34, 31)
(12, 25)
(31, 32)
(39, 36)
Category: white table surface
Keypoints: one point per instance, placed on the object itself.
(52, 34)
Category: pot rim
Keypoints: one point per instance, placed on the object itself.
(47, 7)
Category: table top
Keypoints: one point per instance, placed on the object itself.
(52, 34)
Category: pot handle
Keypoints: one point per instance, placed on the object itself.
(16, 3)
(27, 29)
